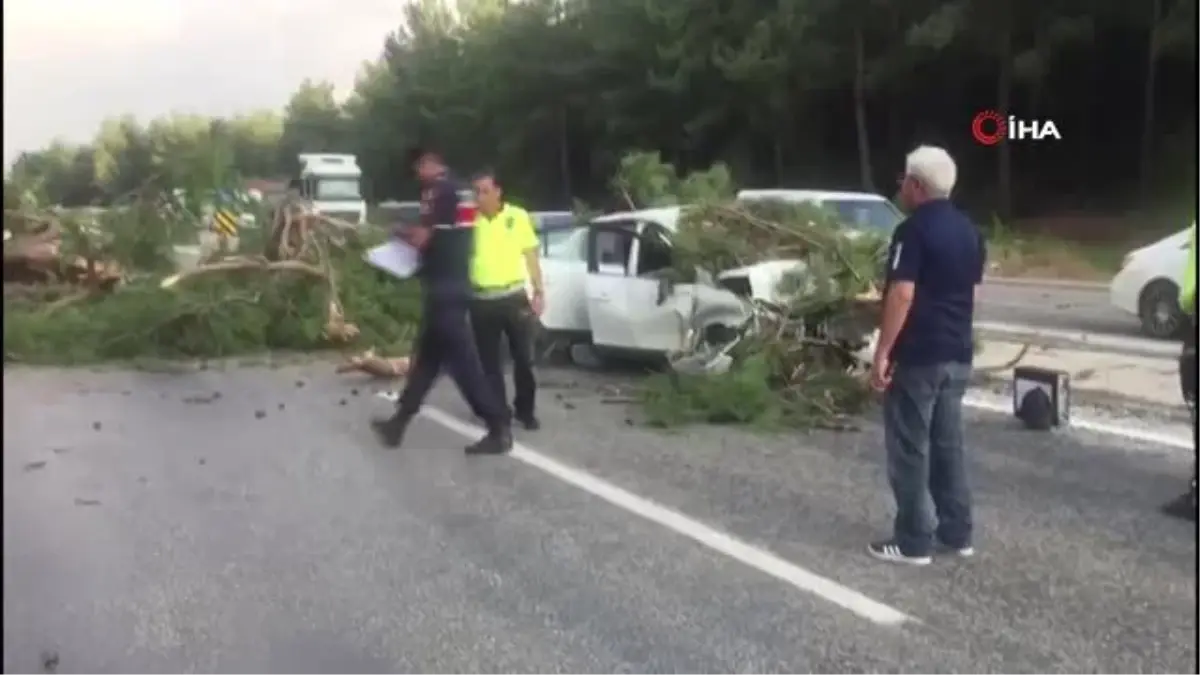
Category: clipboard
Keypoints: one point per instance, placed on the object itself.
(395, 257)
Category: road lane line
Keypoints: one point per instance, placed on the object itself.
(725, 544)
(1131, 433)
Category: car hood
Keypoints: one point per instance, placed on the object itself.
(1174, 241)
(764, 277)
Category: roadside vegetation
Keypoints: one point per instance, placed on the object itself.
(795, 369)
(1077, 249)
(552, 94)
(87, 286)
(821, 95)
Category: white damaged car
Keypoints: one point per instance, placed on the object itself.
(606, 296)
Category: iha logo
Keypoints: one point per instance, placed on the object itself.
(990, 127)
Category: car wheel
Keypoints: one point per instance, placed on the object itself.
(1159, 311)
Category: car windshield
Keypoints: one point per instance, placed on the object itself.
(338, 189)
(873, 215)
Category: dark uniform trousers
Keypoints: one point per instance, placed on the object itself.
(1187, 380)
(446, 342)
(509, 316)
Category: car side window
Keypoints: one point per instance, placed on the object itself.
(611, 247)
(560, 240)
(563, 245)
(654, 251)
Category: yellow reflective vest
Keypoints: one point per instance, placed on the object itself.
(500, 246)
(1187, 292)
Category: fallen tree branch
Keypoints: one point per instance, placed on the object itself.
(376, 366)
(242, 264)
(1009, 364)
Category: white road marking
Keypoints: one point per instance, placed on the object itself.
(725, 544)
(1131, 433)
(1100, 341)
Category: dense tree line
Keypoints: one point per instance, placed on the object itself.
(821, 93)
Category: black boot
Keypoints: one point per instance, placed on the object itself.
(529, 421)
(497, 442)
(391, 430)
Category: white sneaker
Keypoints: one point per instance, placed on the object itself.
(963, 552)
(890, 552)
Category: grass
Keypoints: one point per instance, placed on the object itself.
(1065, 248)
(1047, 257)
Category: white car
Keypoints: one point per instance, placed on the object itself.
(1148, 285)
(863, 211)
(604, 288)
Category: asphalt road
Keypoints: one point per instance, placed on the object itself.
(1055, 307)
(150, 527)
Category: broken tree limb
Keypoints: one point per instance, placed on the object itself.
(999, 368)
(376, 366)
(242, 264)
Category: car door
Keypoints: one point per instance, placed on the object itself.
(1174, 258)
(564, 274)
(658, 311)
(609, 252)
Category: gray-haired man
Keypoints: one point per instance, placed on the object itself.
(923, 362)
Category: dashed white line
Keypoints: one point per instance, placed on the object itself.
(705, 535)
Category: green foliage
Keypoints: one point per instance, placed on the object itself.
(212, 317)
(750, 394)
(743, 396)
(720, 236)
(791, 367)
(647, 181)
(217, 315)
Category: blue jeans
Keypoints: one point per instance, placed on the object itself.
(923, 432)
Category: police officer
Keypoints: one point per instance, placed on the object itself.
(445, 341)
(1187, 359)
(506, 258)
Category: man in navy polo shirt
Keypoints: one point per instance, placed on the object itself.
(923, 362)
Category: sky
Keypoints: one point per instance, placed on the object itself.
(68, 64)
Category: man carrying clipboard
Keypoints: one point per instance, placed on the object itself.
(445, 238)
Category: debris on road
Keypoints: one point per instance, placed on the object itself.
(132, 296)
(38, 264)
(1152, 380)
(376, 366)
(299, 242)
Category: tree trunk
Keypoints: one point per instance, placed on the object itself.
(1145, 168)
(860, 111)
(777, 148)
(1003, 100)
(564, 155)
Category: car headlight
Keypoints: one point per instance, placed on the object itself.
(1126, 260)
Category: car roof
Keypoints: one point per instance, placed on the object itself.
(809, 195)
(667, 216)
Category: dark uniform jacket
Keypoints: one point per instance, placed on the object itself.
(446, 262)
